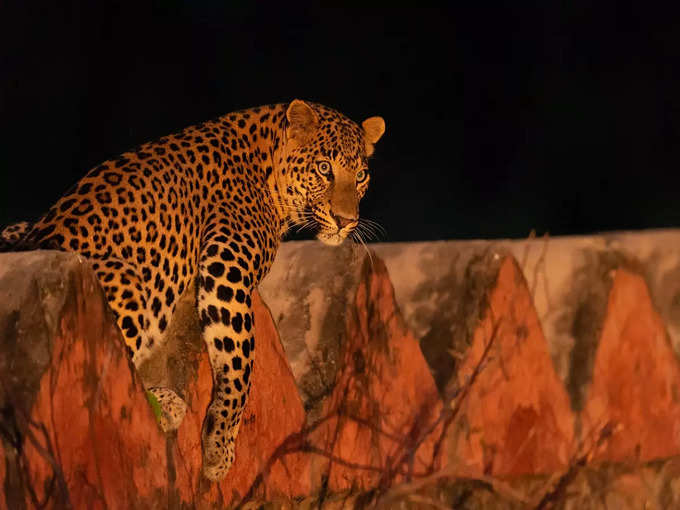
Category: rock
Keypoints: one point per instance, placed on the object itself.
(515, 416)
(77, 428)
(364, 382)
(309, 290)
(564, 274)
(383, 407)
(441, 289)
(636, 378)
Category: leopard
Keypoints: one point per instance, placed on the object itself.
(210, 204)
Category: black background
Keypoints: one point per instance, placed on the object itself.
(561, 118)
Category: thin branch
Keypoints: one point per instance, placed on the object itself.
(310, 448)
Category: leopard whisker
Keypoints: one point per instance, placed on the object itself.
(357, 236)
(376, 225)
(374, 231)
(367, 233)
(306, 225)
(373, 227)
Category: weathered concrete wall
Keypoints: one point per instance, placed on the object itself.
(512, 363)
(437, 286)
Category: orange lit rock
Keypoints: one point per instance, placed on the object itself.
(88, 436)
(516, 418)
(384, 397)
(97, 423)
(636, 378)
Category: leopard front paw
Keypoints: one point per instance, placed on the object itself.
(168, 407)
(218, 441)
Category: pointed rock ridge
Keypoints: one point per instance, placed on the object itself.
(85, 437)
(273, 413)
(516, 418)
(582, 314)
(384, 399)
(635, 385)
(307, 290)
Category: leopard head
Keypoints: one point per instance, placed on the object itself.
(324, 168)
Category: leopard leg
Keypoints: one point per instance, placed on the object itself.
(143, 324)
(225, 308)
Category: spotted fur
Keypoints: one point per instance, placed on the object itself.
(12, 234)
(211, 202)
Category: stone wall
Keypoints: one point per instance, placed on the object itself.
(516, 374)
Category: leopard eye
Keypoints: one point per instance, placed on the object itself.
(324, 167)
(361, 175)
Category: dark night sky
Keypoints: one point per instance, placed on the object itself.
(560, 118)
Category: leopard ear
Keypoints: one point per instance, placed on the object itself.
(302, 122)
(374, 127)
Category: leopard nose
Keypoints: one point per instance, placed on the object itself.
(343, 221)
